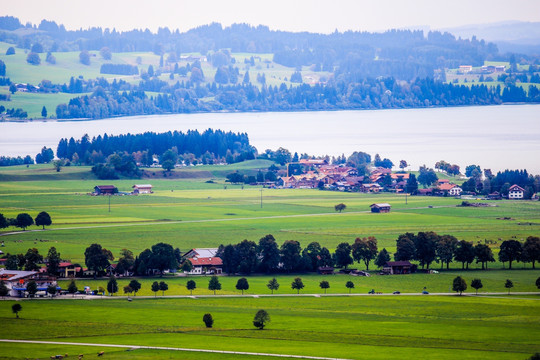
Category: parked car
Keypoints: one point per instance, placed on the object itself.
(372, 291)
(396, 292)
(425, 292)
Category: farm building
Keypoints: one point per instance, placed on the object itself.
(142, 189)
(380, 208)
(105, 190)
(16, 281)
(325, 270)
(397, 267)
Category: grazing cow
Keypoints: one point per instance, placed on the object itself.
(101, 353)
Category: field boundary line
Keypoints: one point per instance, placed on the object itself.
(169, 348)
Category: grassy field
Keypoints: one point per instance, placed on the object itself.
(190, 212)
(345, 327)
(492, 280)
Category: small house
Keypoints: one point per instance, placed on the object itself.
(516, 192)
(142, 189)
(380, 208)
(397, 267)
(206, 265)
(494, 196)
(67, 269)
(105, 190)
(325, 270)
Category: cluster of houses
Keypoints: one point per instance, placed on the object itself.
(342, 178)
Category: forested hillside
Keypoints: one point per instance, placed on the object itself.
(246, 68)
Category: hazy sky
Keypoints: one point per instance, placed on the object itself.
(292, 15)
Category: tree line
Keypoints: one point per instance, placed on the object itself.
(364, 94)
(429, 247)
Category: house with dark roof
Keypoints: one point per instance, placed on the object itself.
(380, 208)
(397, 267)
(105, 189)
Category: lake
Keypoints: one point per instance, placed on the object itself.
(496, 137)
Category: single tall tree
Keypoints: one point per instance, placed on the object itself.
(23, 221)
(349, 285)
(510, 251)
(476, 284)
(72, 288)
(163, 286)
(483, 254)
(155, 288)
(274, 285)
(342, 255)
(324, 285)
(53, 261)
(191, 285)
(268, 253)
(112, 286)
(261, 319)
(459, 285)
(16, 308)
(31, 288)
(382, 258)
(4, 291)
(214, 284)
(135, 286)
(242, 284)
(96, 258)
(297, 285)
(531, 250)
(508, 284)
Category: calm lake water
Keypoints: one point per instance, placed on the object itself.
(496, 137)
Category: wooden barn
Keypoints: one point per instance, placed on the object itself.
(105, 190)
(380, 208)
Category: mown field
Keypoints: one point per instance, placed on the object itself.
(191, 212)
(492, 281)
(432, 327)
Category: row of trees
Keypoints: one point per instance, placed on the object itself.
(365, 94)
(427, 247)
(24, 220)
(247, 256)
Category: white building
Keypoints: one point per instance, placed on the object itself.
(516, 192)
(142, 189)
(204, 261)
(455, 191)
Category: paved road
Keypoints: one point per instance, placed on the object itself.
(134, 347)
(146, 223)
(256, 296)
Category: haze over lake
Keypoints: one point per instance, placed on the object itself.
(496, 137)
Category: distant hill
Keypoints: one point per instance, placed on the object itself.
(510, 36)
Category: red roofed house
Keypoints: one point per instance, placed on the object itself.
(67, 269)
(516, 192)
(452, 189)
(204, 261)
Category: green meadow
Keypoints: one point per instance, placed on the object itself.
(196, 208)
(492, 281)
(407, 327)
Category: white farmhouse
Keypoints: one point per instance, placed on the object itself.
(516, 192)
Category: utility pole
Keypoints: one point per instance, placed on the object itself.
(405, 198)
(109, 202)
